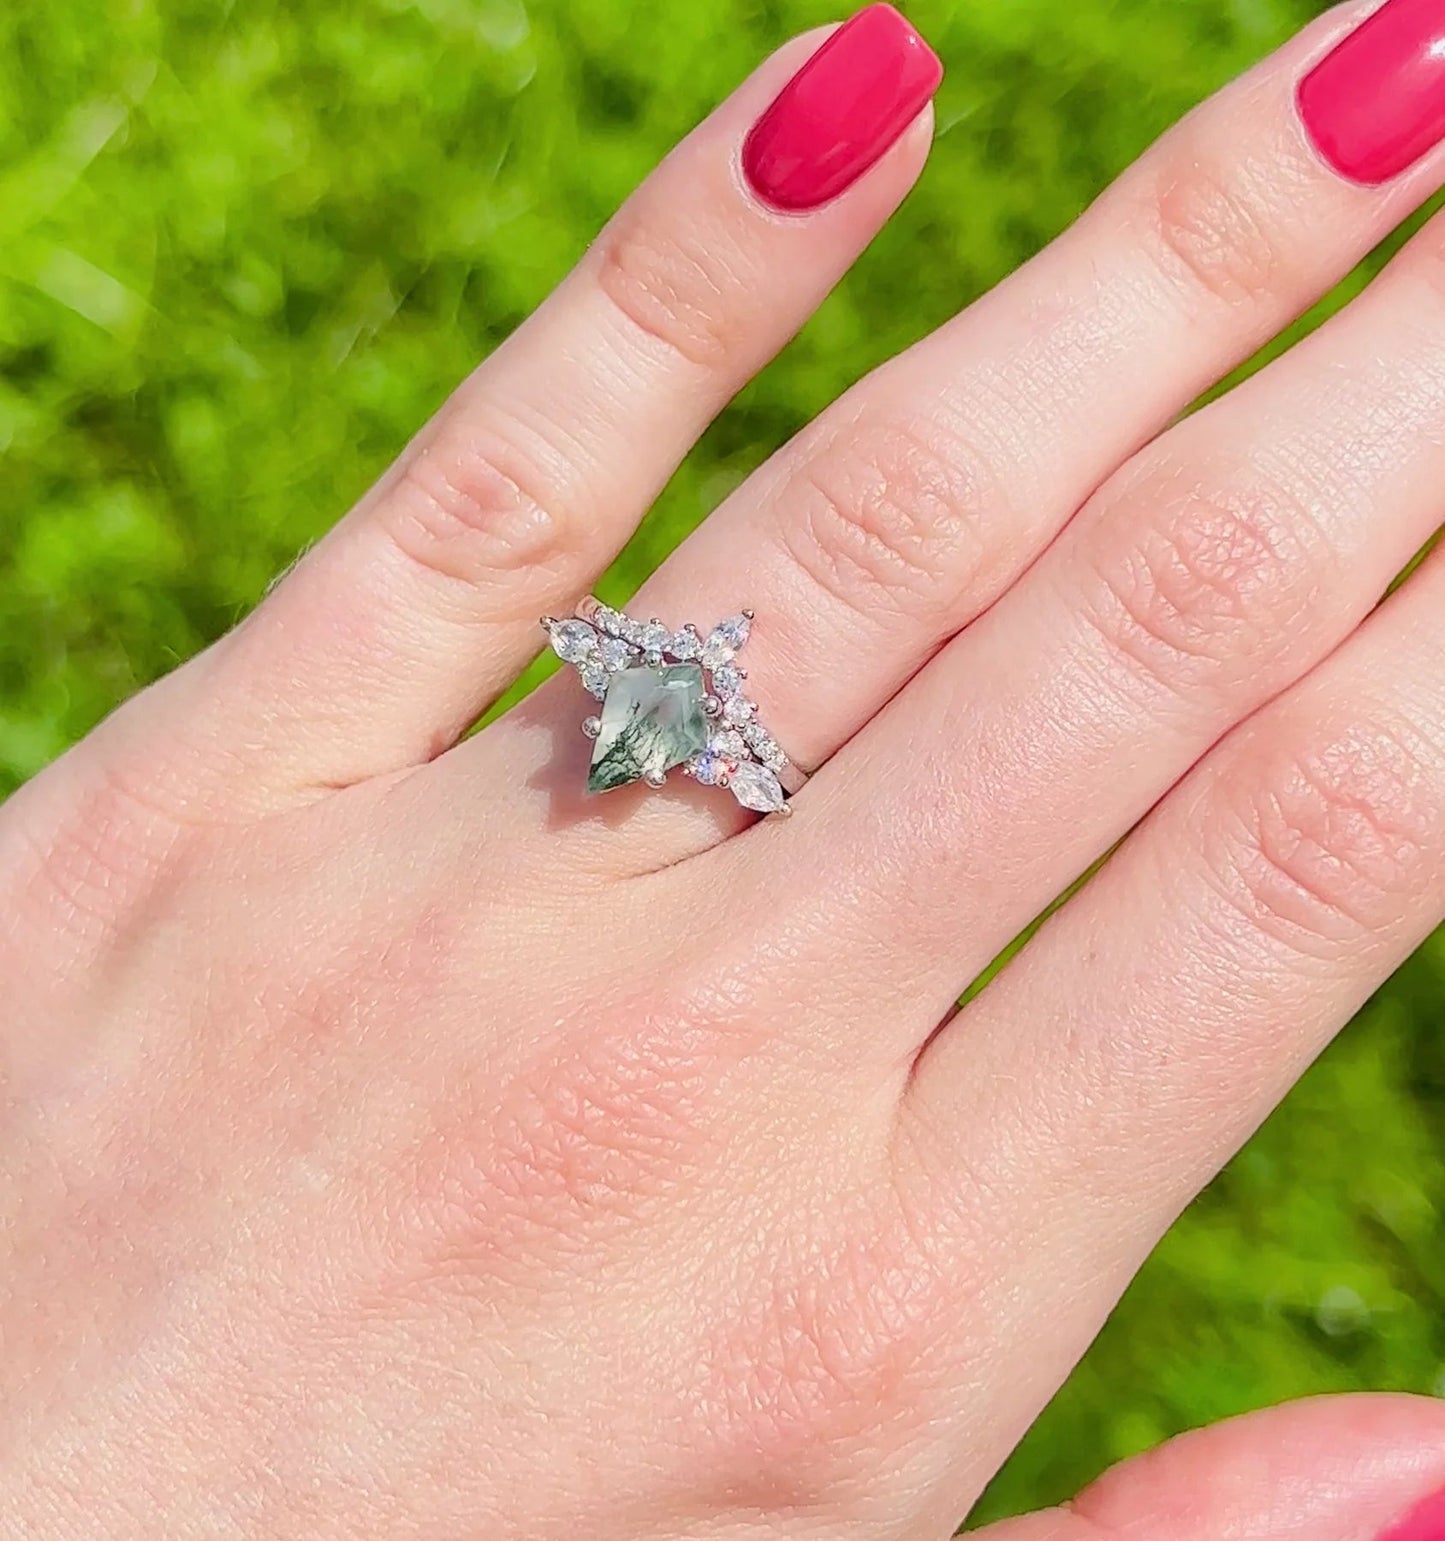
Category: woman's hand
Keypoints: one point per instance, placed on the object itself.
(400, 1142)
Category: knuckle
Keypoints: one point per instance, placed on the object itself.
(588, 1141)
(92, 865)
(841, 1340)
(477, 501)
(1216, 231)
(1326, 843)
(1204, 577)
(889, 519)
(670, 281)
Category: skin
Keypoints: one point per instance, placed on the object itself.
(399, 1143)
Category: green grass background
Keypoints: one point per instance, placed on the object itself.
(246, 248)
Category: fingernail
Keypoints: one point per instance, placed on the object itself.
(1427, 1523)
(1377, 103)
(841, 112)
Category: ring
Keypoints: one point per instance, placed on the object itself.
(672, 698)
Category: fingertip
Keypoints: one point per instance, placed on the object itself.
(843, 111)
(1333, 1468)
(1424, 1522)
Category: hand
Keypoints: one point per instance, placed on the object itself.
(401, 1142)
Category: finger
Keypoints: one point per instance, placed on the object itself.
(1223, 563)
(1154, 1022)
(1348, 1468)
(907, 509)
(422, 605)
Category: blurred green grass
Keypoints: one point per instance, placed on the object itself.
(244, 250)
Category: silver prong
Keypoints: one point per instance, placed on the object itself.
(724, 782)
(656, 779)
(548, 622)
(711, 706)
(592, 726)
(785, 812)
(653, 660)
(751, 614)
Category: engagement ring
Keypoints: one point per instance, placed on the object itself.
(672, 699)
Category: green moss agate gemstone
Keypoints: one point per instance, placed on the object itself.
(652, 720)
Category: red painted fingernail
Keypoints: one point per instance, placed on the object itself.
(843, 110)
(1377, 103)
(1427, 1523)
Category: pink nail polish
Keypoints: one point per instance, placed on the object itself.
(1427, 1523)
(1377, 103)
(841, 112)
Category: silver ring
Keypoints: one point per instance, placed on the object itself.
(670, 700)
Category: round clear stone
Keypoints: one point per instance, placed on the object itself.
(685, 645)
(737, 710)
(710, 769)
(573, 641)
(655, 637)
(729, 742)
(616, 653)
(727, 679)
(756, 787)
(617, 623)
(594, 678)
(764, 745)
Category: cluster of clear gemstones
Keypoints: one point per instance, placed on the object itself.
(740, 754)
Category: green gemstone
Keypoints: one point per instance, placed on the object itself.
(652, 720)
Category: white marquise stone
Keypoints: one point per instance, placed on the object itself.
(735, 630)
(756, 787)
